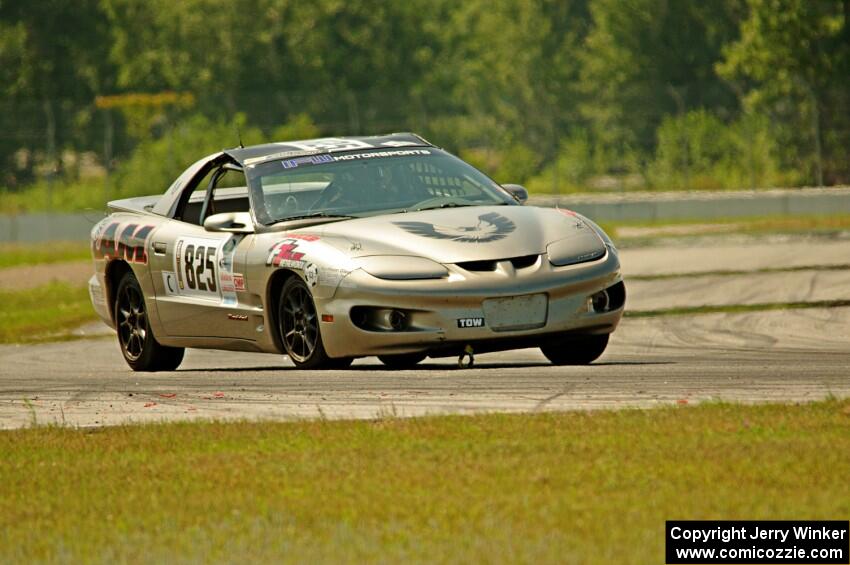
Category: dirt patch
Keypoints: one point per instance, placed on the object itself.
(30, 276)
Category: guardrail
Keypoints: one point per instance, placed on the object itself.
(659, 206)
(39, 227)
(632, 207)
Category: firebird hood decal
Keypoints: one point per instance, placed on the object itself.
(490, 227)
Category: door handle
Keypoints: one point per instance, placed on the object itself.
(159, 247)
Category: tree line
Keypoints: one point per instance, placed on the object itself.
(561, 94)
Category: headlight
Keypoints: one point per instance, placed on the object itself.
(583, 246)
(402, 267)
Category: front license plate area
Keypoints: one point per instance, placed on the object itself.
(516, 312)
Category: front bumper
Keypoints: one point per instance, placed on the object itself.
(435, 306)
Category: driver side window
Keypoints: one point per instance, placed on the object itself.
(229, 193)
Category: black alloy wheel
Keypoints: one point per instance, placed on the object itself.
(138, 344)
(298, 323)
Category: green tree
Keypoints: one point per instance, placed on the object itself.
(793, 62)
(352, 65)
(647, 59)
(511, 68)
(53, 59)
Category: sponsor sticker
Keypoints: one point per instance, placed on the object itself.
(302, 236)
(96, 295)
(331, 144)
(169, 282)
(286, 254)
(306, 160)
(470, 322)
(379, 154)
(331, 277)
(314, 159)
(311, 274)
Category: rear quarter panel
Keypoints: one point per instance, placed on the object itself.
(120, 240)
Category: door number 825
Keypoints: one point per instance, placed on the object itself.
(199, 261)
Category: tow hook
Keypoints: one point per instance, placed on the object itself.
(467, 351)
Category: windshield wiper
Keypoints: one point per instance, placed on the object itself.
(456, 205)
(446, 205)
(315, 215)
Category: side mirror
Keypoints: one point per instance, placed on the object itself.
(517, 191)
(233, 222)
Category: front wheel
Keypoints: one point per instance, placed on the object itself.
(581, 350)
(298, 323)
(138, 345)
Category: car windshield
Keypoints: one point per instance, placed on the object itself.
(368, 183)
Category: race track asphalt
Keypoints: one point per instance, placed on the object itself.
(793, 355)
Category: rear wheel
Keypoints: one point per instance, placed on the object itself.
(298, 323)
(138, 345)
(402, 360)
(580, 350)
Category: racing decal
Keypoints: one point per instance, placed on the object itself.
(285, 254)
(227, 278)
(203, 268)
(566, 212)
(490, 227)
(122, 241)
(331, 144)
(470, 322)
(302, 236)
(398, 143)
(377, 154)
(238, 282)
(96, 294)
(325, 158)
(169, 282)
(311, 274)
(332, 277)
(290, 254)
(307, 160)
(197, 268)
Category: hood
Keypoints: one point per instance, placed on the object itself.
(455, 235)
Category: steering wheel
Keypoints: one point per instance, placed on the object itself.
(328, 193)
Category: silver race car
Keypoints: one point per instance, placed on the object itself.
(331, 249)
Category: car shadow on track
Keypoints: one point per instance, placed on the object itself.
(420, 367)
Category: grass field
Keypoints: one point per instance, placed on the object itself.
(47, 312)
(557, 487)
(626, 232)
(19, 254)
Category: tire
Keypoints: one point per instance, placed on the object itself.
(581, 350)
(298, 324)
(402, 360)
(138, 345)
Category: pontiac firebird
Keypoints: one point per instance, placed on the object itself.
(331, 249)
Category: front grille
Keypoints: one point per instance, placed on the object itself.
(525, 261)
(490, 265)
(478, 266)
